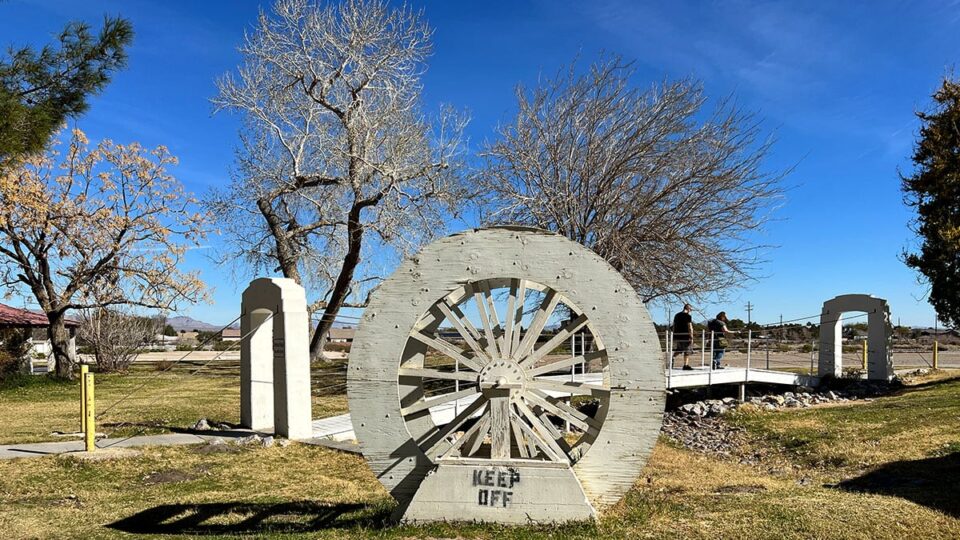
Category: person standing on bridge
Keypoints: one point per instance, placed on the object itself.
(683, 335)
(719, 333)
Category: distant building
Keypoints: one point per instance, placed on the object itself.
(340, 335)
(40, 358)
(230, 334)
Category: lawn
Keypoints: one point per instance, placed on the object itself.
(883, 469)
(139, 402)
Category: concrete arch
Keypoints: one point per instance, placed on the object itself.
(275, 358)
(879, 363)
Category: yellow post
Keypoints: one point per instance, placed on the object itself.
(936, 359)
(90, 408)
(84, 369)
(864, 355)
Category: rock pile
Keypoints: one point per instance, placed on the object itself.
(860, 390)
(205, 425)
(699, 425)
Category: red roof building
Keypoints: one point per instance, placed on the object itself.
(11, 317)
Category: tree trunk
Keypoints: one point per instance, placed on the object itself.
(342, 286)
(63, 353)
(287, 256)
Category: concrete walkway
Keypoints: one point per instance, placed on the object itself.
(335, 432)
(12, 451)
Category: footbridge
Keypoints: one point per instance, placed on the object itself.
(340, 428)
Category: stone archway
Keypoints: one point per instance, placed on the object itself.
(275, 358)
(879, 363)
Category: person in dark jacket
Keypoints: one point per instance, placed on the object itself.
(683, 335)
(718, 330)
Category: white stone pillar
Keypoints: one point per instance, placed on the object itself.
(831, 344)
(275, 358)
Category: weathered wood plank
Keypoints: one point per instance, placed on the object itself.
(447, 348)
(428, 403)
(557, 411)
(499, 411)
(545, 439)
(559, 403)
(461, 329)
(436, 443)
(555, 341)
(437, 374)
(565, 363)
(577, 388)
(540, 318)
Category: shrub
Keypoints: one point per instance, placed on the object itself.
(226, 345)
(14, 346)
(116, 337)
(163, 365)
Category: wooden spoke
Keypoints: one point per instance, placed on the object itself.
(474, 333)
(461, 328)
(557, 436)
(540, 433)
(539, 321)
(437, 440)
(556, 411)
(478, 436)
(518, 318)
(534, 441)
(494, 317)
(478, 297)
(548, 347)
(446, 348)
(433, 402)
(565, 363)
(527, 438)
(507, 348)
(562, 405)
(568, 387)
(526, 448)
(437, 374)
(476, 432)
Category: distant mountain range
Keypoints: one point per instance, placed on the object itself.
(189, 324)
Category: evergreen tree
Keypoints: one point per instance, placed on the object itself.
(934, 191)
(41, 89)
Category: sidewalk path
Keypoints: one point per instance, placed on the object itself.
(11, 451)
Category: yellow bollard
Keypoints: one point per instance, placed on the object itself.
(84, 369)
(864, 355)
(936, 359)
(89, 408)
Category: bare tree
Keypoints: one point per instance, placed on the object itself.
(670, 200)
(335, 155)
(97, 227)
(116, 336)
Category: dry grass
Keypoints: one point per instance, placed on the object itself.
(31, 410)
(884, 469)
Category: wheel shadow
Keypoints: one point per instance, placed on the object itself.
(251, 518)
(932, 482)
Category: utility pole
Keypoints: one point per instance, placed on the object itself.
(749, 311)
(781, 328)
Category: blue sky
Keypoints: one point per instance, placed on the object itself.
(835, 82)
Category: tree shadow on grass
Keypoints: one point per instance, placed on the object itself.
(251, 518)
(933, 482)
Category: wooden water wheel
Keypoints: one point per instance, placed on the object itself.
(506, 374)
